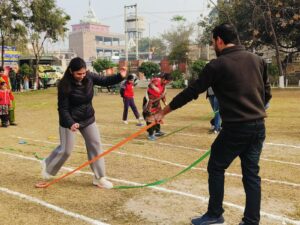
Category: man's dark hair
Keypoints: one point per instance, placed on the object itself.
(226, 32)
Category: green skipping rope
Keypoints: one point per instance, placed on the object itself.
(207, 153)
(182, 128)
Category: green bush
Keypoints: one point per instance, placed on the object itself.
(102, 64)
(26, 70)
(149, 69)
(196, 69)
(178, 80)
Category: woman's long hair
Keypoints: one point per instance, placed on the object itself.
(74, 65)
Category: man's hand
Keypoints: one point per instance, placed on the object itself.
(123, 72)
(161, 114)
(267, 105)
(74, 127)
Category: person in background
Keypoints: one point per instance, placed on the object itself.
(4, 77)
(18, 82)
(5, 102)
(155, 93)
(12, 78)
(240, 82)
(76, 113)
(127, 93)
(26, 82)
(216, 121)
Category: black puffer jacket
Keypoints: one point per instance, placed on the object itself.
(76, 106)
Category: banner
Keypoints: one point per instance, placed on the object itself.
(10, 54)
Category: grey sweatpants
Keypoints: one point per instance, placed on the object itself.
(67, 141)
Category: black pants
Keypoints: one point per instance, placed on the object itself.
(129, 102)
(4, 119)
(155, 128)
(246, 141)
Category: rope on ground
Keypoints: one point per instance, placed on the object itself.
(47, 184)
(169, 178)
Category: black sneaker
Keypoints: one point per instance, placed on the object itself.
(159, 133)
(206, 220)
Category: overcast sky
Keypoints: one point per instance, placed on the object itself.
(157, 13)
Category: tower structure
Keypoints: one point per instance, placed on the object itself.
(91, 39)
(134, 28)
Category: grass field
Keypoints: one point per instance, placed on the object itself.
(74, 200)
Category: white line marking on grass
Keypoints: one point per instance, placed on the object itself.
(51, 206)
(271, 216)
(204, 170)
(197, 135)
(164, 144)
(197, 168)
(283, 145)
(282, 162)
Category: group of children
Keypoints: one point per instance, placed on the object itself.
(156, 92)
(6, 100)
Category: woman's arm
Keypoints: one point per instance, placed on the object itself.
(108, 80)
(64, 109)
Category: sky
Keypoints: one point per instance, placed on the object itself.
(157, 13)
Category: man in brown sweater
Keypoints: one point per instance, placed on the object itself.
(240, 82)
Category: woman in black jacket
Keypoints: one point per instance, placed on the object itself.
(75, 94)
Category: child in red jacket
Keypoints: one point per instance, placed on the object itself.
(128, 99)
(5, 102)
(151, 103)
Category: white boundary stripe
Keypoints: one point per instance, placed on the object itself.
(283, 219)
(51, 206)
(204, 170)
(200, 150)
(184, 166)
(197, 135)
(164, 144)
(282, 162)
(170, 145)
(283, 145)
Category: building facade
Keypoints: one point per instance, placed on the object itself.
(91, 40)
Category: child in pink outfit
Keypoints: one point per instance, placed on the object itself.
(156, 92)
(5, 102)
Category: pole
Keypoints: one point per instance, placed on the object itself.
(149, 55)
(126, 34)
(136, 34)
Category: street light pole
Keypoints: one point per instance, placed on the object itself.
(149, 54)
(126, 34)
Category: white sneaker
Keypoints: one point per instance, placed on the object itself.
(125, 121)
(102, 183)
(45, 174)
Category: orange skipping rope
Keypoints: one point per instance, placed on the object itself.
(47, 184)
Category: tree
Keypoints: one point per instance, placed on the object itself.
(26, 70)
(155, 45)
(44, 21)
(102, 64)
(149, 69)
(260, 23)
(10, 27)
(178, 39)
(196, 68)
